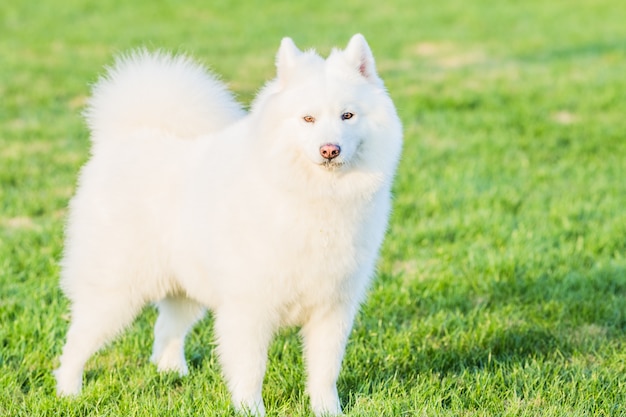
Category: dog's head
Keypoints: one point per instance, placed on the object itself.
(334, 113)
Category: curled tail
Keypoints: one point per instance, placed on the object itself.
(155, 90)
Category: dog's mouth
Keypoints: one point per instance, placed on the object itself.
(332, 165)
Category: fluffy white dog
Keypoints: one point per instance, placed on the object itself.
(272, 218)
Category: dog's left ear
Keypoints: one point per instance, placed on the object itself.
(359, 56)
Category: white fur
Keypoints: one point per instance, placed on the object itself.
(188, 203)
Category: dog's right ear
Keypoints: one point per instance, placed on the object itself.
(286, 59)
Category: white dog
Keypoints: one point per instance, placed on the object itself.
(270, 219)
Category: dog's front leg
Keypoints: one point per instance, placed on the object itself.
(243, 338)
(325, 336)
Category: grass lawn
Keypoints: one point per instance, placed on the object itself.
(502, 283)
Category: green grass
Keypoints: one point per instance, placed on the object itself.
(502, 283)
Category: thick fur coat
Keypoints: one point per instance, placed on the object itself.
(269, 218)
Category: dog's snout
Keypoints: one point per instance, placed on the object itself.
(330, 151)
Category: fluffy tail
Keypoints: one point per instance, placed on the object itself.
(159, 91)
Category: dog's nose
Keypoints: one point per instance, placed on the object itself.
(330, 151)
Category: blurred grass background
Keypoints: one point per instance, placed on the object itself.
(502, 284)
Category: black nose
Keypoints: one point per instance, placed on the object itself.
(330, 151)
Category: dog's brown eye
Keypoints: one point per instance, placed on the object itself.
(347, 115)
(309, 119)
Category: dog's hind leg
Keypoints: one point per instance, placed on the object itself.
(177, 314)
(95, 321)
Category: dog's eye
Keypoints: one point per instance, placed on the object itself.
(309, 119)
(347, 115)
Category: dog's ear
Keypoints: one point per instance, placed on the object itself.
(286, 59)
(359, 56)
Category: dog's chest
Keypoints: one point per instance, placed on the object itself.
(316, 262)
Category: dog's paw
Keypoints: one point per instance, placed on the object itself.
(68, 383)
(170, 361)
(325, 403)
